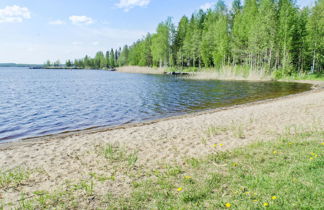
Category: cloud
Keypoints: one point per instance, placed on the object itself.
(57, 22)
(95, 43)
(129, 4)
(81, 20)
(14, 14)
(207, 6)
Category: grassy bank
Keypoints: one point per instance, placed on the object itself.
(282, 174)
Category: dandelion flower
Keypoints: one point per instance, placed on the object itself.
(275, 152)
(322, 143)
(179, 189)
(228, 205)
(274, 197)
(266, 204)
(221, 145)
(311, 158)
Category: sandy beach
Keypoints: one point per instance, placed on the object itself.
(59, 160)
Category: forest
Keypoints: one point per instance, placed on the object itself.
(274, 35)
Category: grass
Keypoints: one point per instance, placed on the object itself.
(285, 174)
(115, 153)
(13, 178)
(237, 130)
(303, 76)
(245, 72)
(282, 174)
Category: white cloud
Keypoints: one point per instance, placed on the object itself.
(207, 6)
(129, 4)
(14, 14)
(57, 22)
(81, 20)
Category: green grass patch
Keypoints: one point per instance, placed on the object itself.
(13, 178)
(115, 153)
(300, 76)
(284, 174)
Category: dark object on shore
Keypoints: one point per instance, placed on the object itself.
(176, 73)
(113, 70)
(36, 67)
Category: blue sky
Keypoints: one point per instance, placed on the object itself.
(33, 31)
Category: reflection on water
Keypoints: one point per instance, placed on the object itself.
(40, 102)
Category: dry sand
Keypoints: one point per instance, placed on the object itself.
(140, 70)
(225, 73)
(74, 156)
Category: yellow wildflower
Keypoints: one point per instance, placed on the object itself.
(215, 145)
(274, 197)
(311, 158)
(228, 205)
(322, 143)
(247, 193)
(234, 164)
(274, 152)
(179, 189)
(221, 145)
(266, 204)
(187, 177)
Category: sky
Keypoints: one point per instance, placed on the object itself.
(33, 31)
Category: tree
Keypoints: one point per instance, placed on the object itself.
(57, 63)
(287, 20)
(161, 44)
(112, 58)
(48, 63)
(179, 40)
(68, 63)
(315, 28)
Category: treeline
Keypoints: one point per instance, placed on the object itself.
(100, 61)
(260, 34)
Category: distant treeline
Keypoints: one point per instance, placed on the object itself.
(274, 35)
(18, 65)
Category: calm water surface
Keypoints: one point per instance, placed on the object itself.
(39, 102)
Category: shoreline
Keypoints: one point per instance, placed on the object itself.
(316, 86)
(62, 161)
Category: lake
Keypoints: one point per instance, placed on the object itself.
(40, 102)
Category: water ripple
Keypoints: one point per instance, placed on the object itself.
(41, 102)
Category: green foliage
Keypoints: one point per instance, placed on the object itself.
(274, 35)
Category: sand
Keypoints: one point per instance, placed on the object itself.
(226, 73)
(141, 70)
(54, 160)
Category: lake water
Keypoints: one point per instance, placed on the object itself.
(40, 102)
